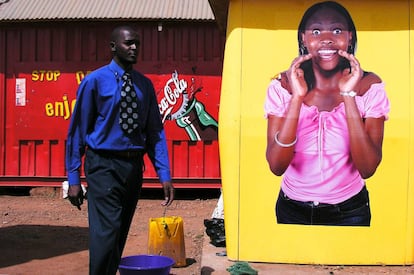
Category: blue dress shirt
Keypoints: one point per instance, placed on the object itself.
(95, 121)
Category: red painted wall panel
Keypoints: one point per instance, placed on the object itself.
(43, 64)
(2, 98)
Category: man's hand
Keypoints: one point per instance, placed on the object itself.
(168, 193)
(75, 195)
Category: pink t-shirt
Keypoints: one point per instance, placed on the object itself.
(322, 169)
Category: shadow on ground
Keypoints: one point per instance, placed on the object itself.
(23, 243)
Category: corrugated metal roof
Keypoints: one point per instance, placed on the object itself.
(24, 10)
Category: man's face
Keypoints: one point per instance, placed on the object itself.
(126, 47)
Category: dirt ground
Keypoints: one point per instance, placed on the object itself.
(41, 233)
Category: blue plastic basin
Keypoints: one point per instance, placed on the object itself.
(145, 264)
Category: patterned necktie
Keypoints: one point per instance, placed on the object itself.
(128, 118)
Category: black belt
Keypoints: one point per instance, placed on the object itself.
(361, 195)
(135, 154)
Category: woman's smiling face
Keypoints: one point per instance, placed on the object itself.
(326, 32)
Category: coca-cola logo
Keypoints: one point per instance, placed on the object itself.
(175, 99)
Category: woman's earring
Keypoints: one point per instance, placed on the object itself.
(350, 49)
(302, 49)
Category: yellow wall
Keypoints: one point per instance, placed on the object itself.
(261, 42)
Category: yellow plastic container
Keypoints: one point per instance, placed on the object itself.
(166, 237)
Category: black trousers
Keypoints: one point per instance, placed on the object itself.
(114, 186)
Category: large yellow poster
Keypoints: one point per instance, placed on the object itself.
(261, 42)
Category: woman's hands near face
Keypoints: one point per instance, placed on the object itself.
(296, 76)
(349, 80)
(350, 76)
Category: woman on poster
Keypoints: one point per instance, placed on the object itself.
(325, 124)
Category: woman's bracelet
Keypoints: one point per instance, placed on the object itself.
(284, 145)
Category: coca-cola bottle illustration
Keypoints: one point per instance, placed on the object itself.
(191, 114)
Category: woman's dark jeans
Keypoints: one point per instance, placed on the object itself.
(354, 211)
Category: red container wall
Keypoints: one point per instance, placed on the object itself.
(42, 65)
